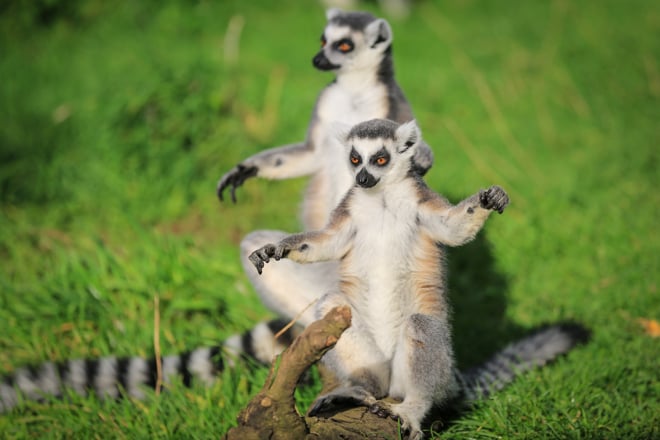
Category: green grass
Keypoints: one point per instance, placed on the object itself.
(118, 120)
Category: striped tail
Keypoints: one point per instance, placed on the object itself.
(113, 377)
(543, 346)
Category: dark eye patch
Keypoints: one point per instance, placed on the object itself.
(380, 158)
(344, 45)
(355, 157)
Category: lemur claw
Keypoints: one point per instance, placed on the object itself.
(234, 179)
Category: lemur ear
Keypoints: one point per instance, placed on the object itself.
(378, 33)
(340, 131)
(332, 13)
(407, 136)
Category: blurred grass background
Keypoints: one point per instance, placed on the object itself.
(118, 119)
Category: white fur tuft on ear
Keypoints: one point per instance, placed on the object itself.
(378, 33)
(332, 13)
(340, 131)
(407, 136)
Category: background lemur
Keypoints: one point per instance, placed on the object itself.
(388, 235)
(357, 48)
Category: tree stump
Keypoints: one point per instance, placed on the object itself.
(272, 413)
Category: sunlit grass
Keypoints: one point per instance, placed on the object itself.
(118, 121)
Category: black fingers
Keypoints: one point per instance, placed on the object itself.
(262, 256)
(494, 198)
(281, 252)
(382, 410)
(234, 179)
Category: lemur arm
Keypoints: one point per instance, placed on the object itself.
(283, 162)
(459, 224)
(330, 243)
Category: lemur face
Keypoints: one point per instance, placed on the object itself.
(370, 159)
(380, 151)
(352, 40)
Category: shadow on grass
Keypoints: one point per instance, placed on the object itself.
(478, 294)
(478, 298)
(480, 324)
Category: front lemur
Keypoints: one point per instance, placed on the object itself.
(388, 235)
(357, 48)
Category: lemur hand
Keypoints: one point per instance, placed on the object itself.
(263, 255)
(235, 178)
(422, 160)
(494, 198)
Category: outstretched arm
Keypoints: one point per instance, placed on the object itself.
(330, 243)
(283, 162)
(459, 224)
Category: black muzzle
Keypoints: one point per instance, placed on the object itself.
(322, 62)
(364, 179)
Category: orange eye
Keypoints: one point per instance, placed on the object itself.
(381, 161)
(344, 47)
(355, 160)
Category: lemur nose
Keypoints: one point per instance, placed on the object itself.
(364, 179)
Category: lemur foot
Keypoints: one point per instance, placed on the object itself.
(409, 422)
(494, 198)
(235, 178)
(355, 396)
(329, 402)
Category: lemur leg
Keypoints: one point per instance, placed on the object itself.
(287, 288)
(367, 379)
(422, 371)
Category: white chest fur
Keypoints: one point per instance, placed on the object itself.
(386, 229)
(352, 102)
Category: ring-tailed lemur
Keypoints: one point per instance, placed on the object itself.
(388, 235)
(357, 48)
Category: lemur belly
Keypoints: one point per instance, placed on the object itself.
(382, 263)
(330, 184)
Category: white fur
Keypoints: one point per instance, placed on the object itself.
(8, 397)
(49, 380)
(170, 368)
(264, 344)
(136, 377)
(76, 376)
(199, 365)
(233, 349)
(105, 381)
